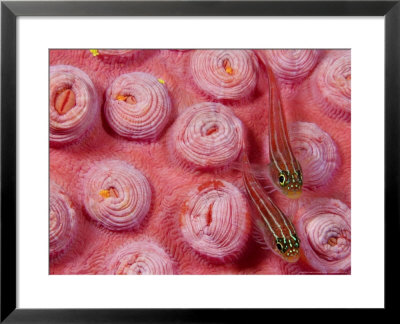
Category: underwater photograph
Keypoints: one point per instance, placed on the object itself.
(200, 161)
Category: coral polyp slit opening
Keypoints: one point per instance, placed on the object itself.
(212, 130)
(209, 214)
(64, 101)
(332, 241)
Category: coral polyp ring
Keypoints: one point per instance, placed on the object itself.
(137, 106)
(225, 74)
(325, 231)
(73, 104)
(63, 223)
(117, 195)
(332, 86)
(140, 258)
(292, 66)
(316, 152)
(207, 135)
(215, 220)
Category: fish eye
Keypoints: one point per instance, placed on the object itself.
(279, 246)
(282, 179)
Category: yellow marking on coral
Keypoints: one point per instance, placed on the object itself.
(105, 193)
(94, 52)
(123, 98)
(161, 81)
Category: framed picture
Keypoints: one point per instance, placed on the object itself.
(224, 148)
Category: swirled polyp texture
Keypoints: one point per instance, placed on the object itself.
(317, 153)
(225, 74)
(208, 135)
(325, 234)
(116, 52)
(140, 258)
(63, 224)
(292, 66)
(332, 87)
(215, 220)
(117, 195)
(73, 104)
(137, 106)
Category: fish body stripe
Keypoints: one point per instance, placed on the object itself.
(280, 150)
(255, 197)
(269, 212)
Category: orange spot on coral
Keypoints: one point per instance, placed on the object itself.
(121, 97)
(104, 193)
(184, 209)
(128, 99)
(110, 192)
(213, 183)
(227, 66)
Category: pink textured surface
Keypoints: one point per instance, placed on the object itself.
(171, 181)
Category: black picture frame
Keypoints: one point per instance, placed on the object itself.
(10, 10)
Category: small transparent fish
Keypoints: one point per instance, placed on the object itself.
(284, 170)
(277, 230)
